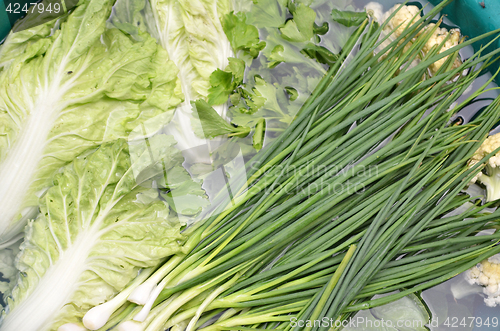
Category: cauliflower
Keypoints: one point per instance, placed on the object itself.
(403, 18)
(407, 16)
(438, 36)
(490, 179)
(487, 274)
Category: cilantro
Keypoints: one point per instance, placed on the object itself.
(293, 94)
(258, 135)
(223, 83)
(242, 36)
(221, 87)
(301, 27)
(348, 18)
(320, 54)
(237, 68)
(321, 30)
(212, 124)
(267, 14)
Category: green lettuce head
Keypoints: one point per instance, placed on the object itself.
(77, 87)
(100, 223)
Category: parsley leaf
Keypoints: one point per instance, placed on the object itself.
(242, 36)
(212, 124)
(301, 27)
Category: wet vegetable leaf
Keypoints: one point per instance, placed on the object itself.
(348, 18)
(212, 124)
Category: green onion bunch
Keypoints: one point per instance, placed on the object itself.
(356, 198)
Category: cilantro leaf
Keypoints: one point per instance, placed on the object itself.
(320, 53)
(348, 18)
(242, 36)
(301, 27)
(258, 135)
(223, 83)
(292, 92)
(212, 124)
(221, 87)
(240, 118)
(267, 14)
(279, 50)
(321, 30)
(237, 68)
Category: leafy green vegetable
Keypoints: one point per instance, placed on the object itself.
(197, 52)
(242, 36)
(338, 34)
(185, 196)
(75, 89)
(25, 44)
(134, 17)
(292, 92)
(212, 124)
(267, 13)
(8, 272)
(222, 87)
(99, 225)
(348, 18)
(264, 91)
(273, 254)
(321, 30)
(237, 68)
(268, 95)
(223, 83)
(258, 135)
(271, 101)
(301, 27)
(320, 53)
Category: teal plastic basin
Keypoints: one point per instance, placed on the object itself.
(4, 21)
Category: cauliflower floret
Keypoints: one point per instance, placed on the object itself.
(491, 179)
(487, 274)
(406, 16)
(403, 18)
(375, 10)
(438, 36)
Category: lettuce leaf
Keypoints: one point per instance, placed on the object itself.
(192, 34)
(99, 225)
(73, 89)
(8, 272)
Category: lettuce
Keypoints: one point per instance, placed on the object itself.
(8, 273)
(72, 85)
(192, 34)
(99, 225)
